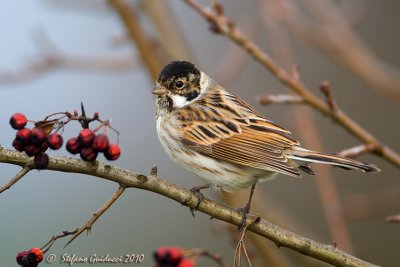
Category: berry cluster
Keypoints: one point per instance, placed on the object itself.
(34, 142)
(88, 144)
(30, 258)
(171, 257)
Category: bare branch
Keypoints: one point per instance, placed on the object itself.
(48, 245)
(268, 99)
(356, 151)
(282, 237)
(393, 218)
(49, 62)
(17, 177)
(144, 45)
(241, 246)
(88, 226)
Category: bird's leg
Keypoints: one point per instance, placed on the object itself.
(246, 209)
(196, 190)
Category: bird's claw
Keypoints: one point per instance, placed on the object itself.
(245, 211)
(196, 190)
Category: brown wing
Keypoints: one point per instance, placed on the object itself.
(227, 128)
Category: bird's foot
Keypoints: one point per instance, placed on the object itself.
(196, 190)
(245, 211)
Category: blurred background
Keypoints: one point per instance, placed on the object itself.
(55, 54)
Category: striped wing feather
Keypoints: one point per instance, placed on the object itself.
(245, 139)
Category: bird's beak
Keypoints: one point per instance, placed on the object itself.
(159, 90)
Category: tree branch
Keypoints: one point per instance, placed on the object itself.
(226, 27)
(282, 237)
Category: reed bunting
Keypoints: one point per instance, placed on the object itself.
(221, 138)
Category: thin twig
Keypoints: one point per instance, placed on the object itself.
(268, 99)
(125, 178)
(48, 245)
(88, 226)
(356, 151)
(144, 45)
(17, 177)
(169, 34)
(230, 30)
(241, 246)
(393, 218)
(46, 63)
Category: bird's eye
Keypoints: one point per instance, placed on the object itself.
(179, 84)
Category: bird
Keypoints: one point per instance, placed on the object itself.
(217, 135)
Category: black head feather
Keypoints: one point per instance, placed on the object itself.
(178, 69)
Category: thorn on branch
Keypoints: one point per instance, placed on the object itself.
(154, 171)
(326, 90)
(48, 245)
(218, 8)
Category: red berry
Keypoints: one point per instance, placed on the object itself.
(24, 135)
(32, 150)
(20, 256)
(88, 153)
(113, 152)
(186, 263)
(44, 146)
(30, 258)
(170, 255)
(55, 141)
(86, 137)
(41, 161)
(18, 121)
(38, 136)
(101, 142)
(18, 145)
(175, 254)
(73, 145)
(38, 254)
(159, 255)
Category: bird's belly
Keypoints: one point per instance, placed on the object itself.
(228, 176)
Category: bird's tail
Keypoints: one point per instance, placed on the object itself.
(304, 155)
